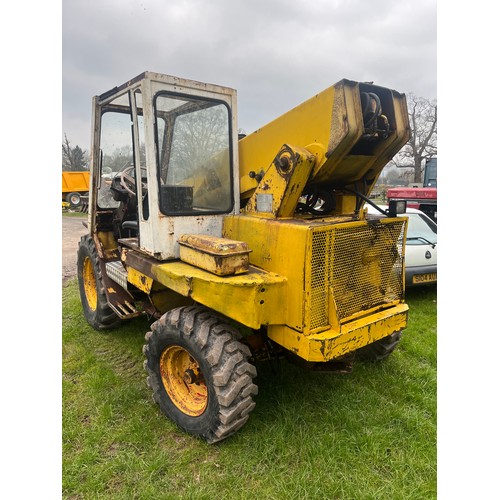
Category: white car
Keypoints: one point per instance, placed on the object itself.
(421, 247)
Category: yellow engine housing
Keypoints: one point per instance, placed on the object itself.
(344, 279)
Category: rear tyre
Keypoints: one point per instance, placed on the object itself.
(74, 199)
(199, 373)
(381, 349)
(95, 306)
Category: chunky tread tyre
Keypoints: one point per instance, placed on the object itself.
(223, 362)
(381, 349)
(93, 297)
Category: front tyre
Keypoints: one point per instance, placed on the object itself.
(199, 373)
(95, 306)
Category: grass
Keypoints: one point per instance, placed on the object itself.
(71, 213)
(367, 435)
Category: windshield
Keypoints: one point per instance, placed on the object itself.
(194, 155)
(421, 231)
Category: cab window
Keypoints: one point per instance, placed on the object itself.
(194, 155)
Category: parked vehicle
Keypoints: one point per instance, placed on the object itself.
(423, 196)
(75, 186)
(421, 247)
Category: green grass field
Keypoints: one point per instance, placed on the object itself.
(367, 435)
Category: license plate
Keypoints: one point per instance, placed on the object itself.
(425, 278)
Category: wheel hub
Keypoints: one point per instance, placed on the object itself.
(89, 283)
(183, 380)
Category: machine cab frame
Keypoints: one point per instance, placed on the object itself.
(163, 158)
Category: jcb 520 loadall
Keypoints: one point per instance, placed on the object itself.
(241, 248)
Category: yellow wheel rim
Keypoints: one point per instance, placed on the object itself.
(183, 380)
(89, 283)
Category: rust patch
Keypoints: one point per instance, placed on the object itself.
(220, 256)
(140, 262)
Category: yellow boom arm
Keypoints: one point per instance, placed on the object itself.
(353, 129)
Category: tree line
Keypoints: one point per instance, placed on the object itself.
(73, 158)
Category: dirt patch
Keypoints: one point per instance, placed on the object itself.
(72, 230)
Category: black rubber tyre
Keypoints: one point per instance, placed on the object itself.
(95, 307)
(381, 349)
(213, 396)
(74, 199)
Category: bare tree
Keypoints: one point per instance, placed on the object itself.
(197, 137)
(73, 158)
(423, 141)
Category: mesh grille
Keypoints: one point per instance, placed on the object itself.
(361, 264)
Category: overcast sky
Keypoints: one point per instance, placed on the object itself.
(275, 53)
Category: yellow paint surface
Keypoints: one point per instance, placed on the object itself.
(253, 299)
(257, 150)
(332, 344)
(140, 280)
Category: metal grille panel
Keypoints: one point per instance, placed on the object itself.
(362, 265)
(117, 272)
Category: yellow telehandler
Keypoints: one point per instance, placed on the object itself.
(242, 248)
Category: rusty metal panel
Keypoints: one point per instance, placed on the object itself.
(253, 299)
(220, 256)
(119, 299)
(159, 233)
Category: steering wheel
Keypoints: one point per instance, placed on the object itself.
(127, 181)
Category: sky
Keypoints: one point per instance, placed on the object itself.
(275, 53)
